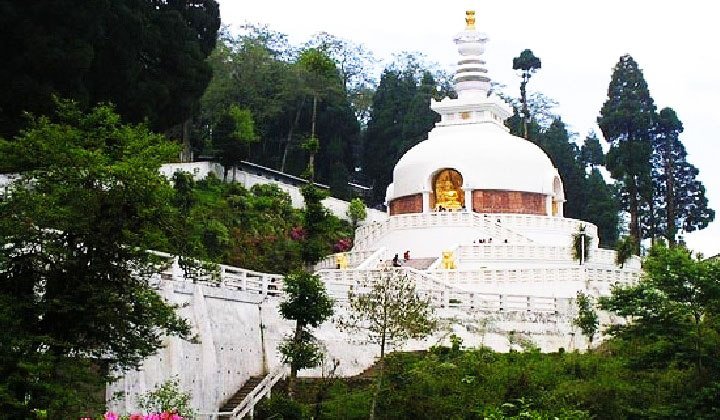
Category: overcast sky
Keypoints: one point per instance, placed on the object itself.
(579, 42)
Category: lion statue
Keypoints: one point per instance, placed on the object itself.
(448, 261)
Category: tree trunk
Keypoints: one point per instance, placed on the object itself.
(523, 100)
(697, 342)
(669, 195)
(186, 155)
(293, 367)
(634, 225)
(311, 162)
(293, 124)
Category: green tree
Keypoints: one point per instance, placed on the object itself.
(147, 57)
(308, 304)
(391, 311)
(357, 212)
(400, 118)
(587, 319)
(591, 152)
(165, 397)
(624, 249)
(555, 142)
(528, 64)
(679, 197)
(74, 269)
(319, 74)
(233, 135)
(673, 311)
(354, 63)
(601, 208)
(626, 120)
(260, 71)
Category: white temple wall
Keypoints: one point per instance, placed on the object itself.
(227, 323)
(429, 242)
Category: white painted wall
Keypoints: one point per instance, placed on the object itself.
(227, 322)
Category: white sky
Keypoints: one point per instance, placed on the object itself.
(578, 42)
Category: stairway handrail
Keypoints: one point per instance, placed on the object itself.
(247, 405)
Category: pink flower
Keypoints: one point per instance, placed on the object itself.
(137, 417)
(152, 417)
(297, 233)
(111, 416)
(165, 416)
(176, 417)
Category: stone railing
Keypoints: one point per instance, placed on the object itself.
(224, 276)
(542, 253)
(607, 257)
(355, 258)
(613, 276)
(489, 276)
(440, 294)
(510, 252)
(534, 222)
(368, 234)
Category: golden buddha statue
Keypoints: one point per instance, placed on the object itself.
(447, 190)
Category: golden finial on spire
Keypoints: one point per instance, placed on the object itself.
(470, 20)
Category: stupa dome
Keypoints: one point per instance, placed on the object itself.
(487, 157)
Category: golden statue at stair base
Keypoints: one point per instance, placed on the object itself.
(341, 261)
(448, 261)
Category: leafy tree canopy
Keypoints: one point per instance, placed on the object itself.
(145, 56)
(74, 268)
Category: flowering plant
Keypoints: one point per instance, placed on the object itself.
(165, 415)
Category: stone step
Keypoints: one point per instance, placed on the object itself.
(240, 395)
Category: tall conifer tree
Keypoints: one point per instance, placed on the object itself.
(679, 197)
(626, 120)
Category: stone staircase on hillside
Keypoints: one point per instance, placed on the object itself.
(419, 263)
(240, 395)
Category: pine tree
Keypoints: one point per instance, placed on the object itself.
(555, 142)
(400, 118)
(591, 153)
(601, 208)
(679, 197)
(626, 120)
(146, 57)
(528, 64)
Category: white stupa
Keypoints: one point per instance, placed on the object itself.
(480, 212)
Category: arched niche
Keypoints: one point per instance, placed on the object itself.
(447, 192)
(558, 197)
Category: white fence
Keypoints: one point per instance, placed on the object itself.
(223, 276)
(355, 258)
(440, 294)
(369, 233)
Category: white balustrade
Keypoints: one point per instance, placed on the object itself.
(355, 258)
(370, 233)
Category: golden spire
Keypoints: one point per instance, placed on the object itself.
(470, 20)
